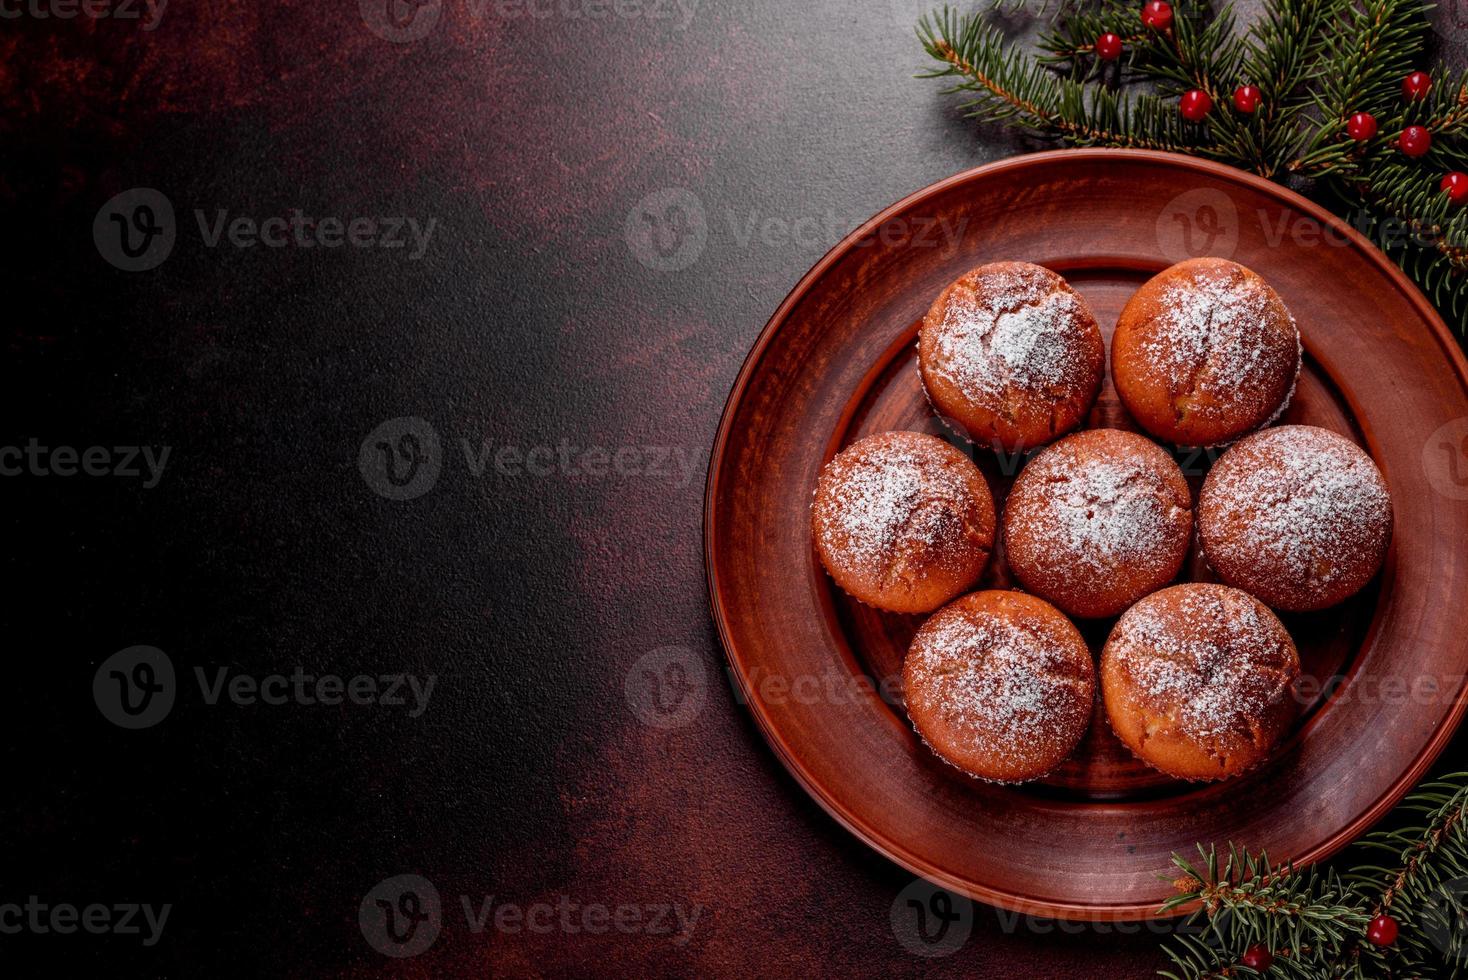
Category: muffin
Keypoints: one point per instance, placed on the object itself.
(1204, 353)
(1197, 680)
(1298, 516)
(1011, 355)
(903, 521)
(1000, 684)
(1097, 521)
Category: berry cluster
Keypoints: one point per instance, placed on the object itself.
(1380, 931)
(1414, 141)
(1196, 105)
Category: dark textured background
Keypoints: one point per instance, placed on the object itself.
(533, 774)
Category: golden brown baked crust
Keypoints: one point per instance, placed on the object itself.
(1098, 520)
(1011, 354)
(1297, 515)
(903, 521)
(1198, 680)
(1204, 353)
(1000, 684)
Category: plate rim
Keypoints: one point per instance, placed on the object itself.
(1101, 912)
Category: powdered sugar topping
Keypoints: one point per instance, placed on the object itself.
(1000, 686)
(889, 498)
(1304, 501)
(1220, 337)
(1083, 517)
(1213, 654)
(1016, 329)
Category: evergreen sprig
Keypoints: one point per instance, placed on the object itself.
(1313, 921)
(1007, 85)
(1316, 62)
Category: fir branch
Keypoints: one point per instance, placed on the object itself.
(1414, 889)
(1314, 921)
(1370, 47)
(1007, 85)
(1316, 62)
(1285, 53)
(1071, 43)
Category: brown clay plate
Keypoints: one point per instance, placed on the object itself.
(820, 672)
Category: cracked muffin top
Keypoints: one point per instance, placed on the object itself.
(1198, 680)
(1010, 356)
(1097, 521)
(1205, 352)
(1297, 515)
(903, 521)
(1000, 684)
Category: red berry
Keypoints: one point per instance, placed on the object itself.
(1416, 86)
(1258, 957)
(1382, 931)
(1247, 99)
(1415, 141)
(1157, 14)
(1108, 47)
(1361, 127)
(1195, 105)
(1455, 186)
